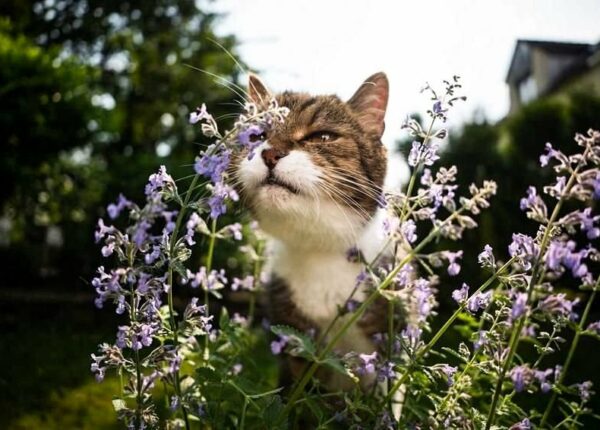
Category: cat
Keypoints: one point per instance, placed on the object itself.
(314, 185)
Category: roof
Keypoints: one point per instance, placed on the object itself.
(575, 50)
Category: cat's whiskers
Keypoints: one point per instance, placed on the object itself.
(353, 234)
(352, 205)
(225, 83)
(355, 182)
(343, 182)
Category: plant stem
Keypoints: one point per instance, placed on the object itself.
(138, 371)
(209, 261)
(172, 321)
(571, 353)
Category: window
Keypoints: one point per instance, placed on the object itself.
(527, 89)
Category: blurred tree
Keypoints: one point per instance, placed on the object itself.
(113, 105)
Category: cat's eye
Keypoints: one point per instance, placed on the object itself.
(321, 137)
(253, 138)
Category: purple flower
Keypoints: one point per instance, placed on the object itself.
(521, 377)
(596, 186)
(411, 336)
(587, 223)
(524, 249)
(251, 138)
(542, 376)
(108, 249)
(557, 189)
(158, 181)
(199, 114)
(140, 233)
(423, 154)
(574, 260)
(584, 390)
(558, 304)
(519, 306)
(386, 371)
(461, 294)
(453, 266)
(409, 230)
(481, 340)
(529, 201)
(216, 202)
(152, 256)
(351, 305)
(478, 301)
(486, 258)
(174, 403)
(595, 327)
(423, 295)
(213, 166)
(235, 230)
(96, 367)
(391, 223)
(246, 283)
(555, 254)
(525, 424)
(367, 363)
(550, 153)
(448, 371)
(278, 345)
(437, 108)
(103, 230)
(115, 209)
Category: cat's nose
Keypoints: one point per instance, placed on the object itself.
(271, 156)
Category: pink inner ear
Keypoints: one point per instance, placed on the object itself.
(370, 103)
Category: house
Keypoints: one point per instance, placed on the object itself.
(541, 68)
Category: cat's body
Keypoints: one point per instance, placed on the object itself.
(314, 185)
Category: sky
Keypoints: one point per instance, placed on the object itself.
(331, 46)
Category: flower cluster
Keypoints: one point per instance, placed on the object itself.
(201, 359)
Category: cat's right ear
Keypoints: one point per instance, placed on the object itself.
(257, 91)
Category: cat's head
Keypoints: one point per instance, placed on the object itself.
(317, 178)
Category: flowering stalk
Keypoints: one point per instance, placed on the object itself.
(565, 368)
(423, 351)
(209, 260)
(536, 276)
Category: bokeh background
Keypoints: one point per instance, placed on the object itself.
(94, 96)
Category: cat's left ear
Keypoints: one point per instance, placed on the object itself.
(370, 102)
(257, 91)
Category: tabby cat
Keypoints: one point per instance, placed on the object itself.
(314, 185)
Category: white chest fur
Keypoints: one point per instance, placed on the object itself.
(319, 282)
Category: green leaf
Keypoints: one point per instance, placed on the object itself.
(299, 344)
(273, 413)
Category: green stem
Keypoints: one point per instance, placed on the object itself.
(209, 261)
(172, 321)
(138, 370)
(571, 353)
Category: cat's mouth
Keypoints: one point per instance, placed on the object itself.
(272, 180)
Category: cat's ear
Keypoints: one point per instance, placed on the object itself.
(369, 102)
(257, 91)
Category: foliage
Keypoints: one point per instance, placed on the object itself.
(483, 382)
(103, 89)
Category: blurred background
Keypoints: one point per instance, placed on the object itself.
(94, 96)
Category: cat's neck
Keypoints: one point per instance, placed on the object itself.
(299, 243)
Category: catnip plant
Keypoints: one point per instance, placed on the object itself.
(182, 364)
